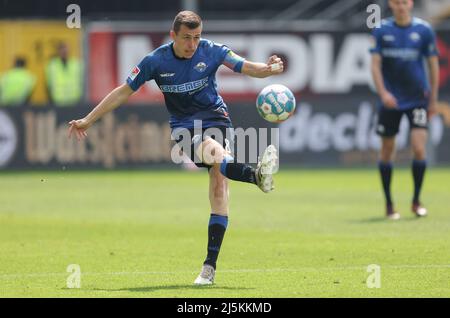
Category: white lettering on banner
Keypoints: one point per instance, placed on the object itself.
(344, 127)
(260, 48)
(310, 62)
(307, 64)
(296, 51)
(319, 133)
(362, 140)
(323, 80)
(353, 63)
(343, 132)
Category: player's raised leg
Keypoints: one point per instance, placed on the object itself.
(212, 153)
(385, 168)
(418, 144)
(265, 169)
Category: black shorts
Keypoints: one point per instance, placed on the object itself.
(389, 120)
(189, 139)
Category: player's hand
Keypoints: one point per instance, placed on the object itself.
(389, 100)
(78, 128)
(275, 65)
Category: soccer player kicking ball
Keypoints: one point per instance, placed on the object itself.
(185, 70)
(401, 45)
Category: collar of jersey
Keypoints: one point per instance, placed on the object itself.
(173, 52)
(402, 26)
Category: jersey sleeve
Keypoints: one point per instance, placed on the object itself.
(376, 41)
(141, 73)
(233, 61)
(225, 56)
(429, 47)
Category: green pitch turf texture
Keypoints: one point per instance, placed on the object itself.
(143, 234)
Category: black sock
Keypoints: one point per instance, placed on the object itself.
(386, 175)
(237, 171)
(418, 172)
(216, 230)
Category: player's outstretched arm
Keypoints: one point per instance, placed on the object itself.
(113, 100)
(272, 67)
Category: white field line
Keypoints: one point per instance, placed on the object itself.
(256, 270)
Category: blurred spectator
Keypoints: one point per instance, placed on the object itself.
(64, 78)
(17, 84)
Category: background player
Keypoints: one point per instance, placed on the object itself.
(185, 72)
(401, 44)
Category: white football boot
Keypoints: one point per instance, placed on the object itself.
(206, 276)
(266, 168)
(419, 210)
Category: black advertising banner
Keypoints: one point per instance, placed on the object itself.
(325, 131)
(38, 138)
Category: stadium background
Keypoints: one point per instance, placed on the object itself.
(134, 225)
(324, 43)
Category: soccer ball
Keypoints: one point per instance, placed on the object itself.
(275, 103)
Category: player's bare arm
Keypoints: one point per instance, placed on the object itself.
(113, 100)
(260, 70)
(433, 64)
(386, 97)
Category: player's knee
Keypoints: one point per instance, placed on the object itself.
(419, 152)
(387, 154)
(418, 144)
(387, 150)
(211, 152)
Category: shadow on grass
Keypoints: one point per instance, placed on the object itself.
(171, 287)
(383, 219)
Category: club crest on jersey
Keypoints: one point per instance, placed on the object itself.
(136, 70)
(200, 67)
(414, 36)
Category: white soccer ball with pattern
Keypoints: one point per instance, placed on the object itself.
(275, 103)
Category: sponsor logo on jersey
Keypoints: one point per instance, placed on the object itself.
(136, 70)
(404, 54)
(185, 87)
(389, 38)
(200, 67)
(166, 74)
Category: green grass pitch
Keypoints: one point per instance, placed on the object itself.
(143, 234)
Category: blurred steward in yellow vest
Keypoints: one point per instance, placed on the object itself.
(16, 85)
(64, 78)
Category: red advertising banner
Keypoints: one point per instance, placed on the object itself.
(316, 63)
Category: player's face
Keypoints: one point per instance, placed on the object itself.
(186, 41)
(401, 8)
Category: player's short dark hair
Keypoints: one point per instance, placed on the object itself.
(188, 18)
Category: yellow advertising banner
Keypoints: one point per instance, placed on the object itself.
(36, 41)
